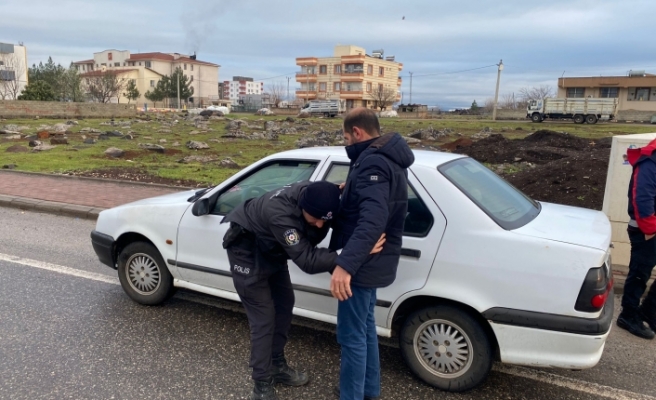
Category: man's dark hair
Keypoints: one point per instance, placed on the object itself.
(363, 118)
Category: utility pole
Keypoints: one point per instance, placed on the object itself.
(496, 94)
(288, 91)
(307, 83)
(179, 72)
(410, 101)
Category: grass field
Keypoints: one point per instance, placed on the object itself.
(77, 157)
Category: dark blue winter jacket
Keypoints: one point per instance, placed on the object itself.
(642, 188)
(375, 200)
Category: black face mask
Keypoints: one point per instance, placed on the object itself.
(353, 151)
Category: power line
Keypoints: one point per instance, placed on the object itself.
(456, 72)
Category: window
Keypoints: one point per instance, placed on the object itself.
(147, 64)
(140, 63)
(109, 56)
(191, 78)
(322, 87)
(380, 87)
(118, 64)
(381, 71)
(418, 220)
(502, 202)
(368, 86)
(185, 67)
(338, 69)
(370, 69)
(642, 94)
(576, 92)
(191, 67)
(270, 177)
(7, 75)
(152, 83)
(609, 92)
(323, 69)
(336, 87)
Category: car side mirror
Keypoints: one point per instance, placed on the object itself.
(201, 207)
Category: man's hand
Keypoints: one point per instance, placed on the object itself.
(340, 284)
(378, 247)
(341, 186)
(648, 237)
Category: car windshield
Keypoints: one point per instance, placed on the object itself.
(505, 204)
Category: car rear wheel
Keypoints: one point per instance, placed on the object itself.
(591, 119)
(536, 117)
(447, 348)
(579, 119)
(143, 274)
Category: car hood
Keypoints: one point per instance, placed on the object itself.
(574, 225)
(167, 199)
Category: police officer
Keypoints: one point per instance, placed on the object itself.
(264, 233)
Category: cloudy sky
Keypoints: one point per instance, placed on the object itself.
(444, 43)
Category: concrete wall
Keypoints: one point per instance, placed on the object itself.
(54, 109)
(635, 115)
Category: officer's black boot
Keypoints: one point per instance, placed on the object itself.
(283, 373)
(632, 322)
(649, 316)
(264, 390)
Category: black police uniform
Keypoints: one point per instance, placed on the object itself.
(265, 232)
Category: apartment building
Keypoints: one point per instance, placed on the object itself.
(352, 75)
(636, 91)
(241, 86)
(13, 70)
(146, 69)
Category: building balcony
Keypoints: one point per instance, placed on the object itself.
(352, 76)
(300, 61)
(353, 94)
(302, 77)
(306, 94)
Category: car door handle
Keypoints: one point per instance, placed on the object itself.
(411, 252)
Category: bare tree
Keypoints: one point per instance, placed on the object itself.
(383, 97)
(12, 69)
(536, 93)
(276, 92)
(103, 85)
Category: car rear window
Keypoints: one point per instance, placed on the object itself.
(505, 204)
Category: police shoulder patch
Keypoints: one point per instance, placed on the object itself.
(292, 237)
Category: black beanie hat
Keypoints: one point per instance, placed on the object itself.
(321, 200)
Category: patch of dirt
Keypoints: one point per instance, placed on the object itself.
(136, 175)
(565, 169)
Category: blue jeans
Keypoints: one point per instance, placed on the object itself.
(356, 333)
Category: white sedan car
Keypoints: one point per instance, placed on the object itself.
(486, 273)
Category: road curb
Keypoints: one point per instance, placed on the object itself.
(103, 180)
(50, 207)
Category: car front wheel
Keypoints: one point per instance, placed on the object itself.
(447, 348)
(143, 274)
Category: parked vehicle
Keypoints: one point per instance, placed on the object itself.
(507, 278)
(327, 108)
(580, 110)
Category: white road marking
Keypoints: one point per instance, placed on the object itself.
(594, 389)
(59, 269)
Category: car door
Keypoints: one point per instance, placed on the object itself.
(424, 227)
(201, 258)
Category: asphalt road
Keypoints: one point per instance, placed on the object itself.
(67, 331)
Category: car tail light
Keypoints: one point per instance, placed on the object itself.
(596, 288)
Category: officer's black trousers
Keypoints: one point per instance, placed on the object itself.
(265, 290)
(643, 259)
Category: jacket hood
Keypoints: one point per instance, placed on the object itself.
(391, 145)
(636, 155)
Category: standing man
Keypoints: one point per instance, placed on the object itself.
(641, 229)
(374, 202)
(264, 233)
